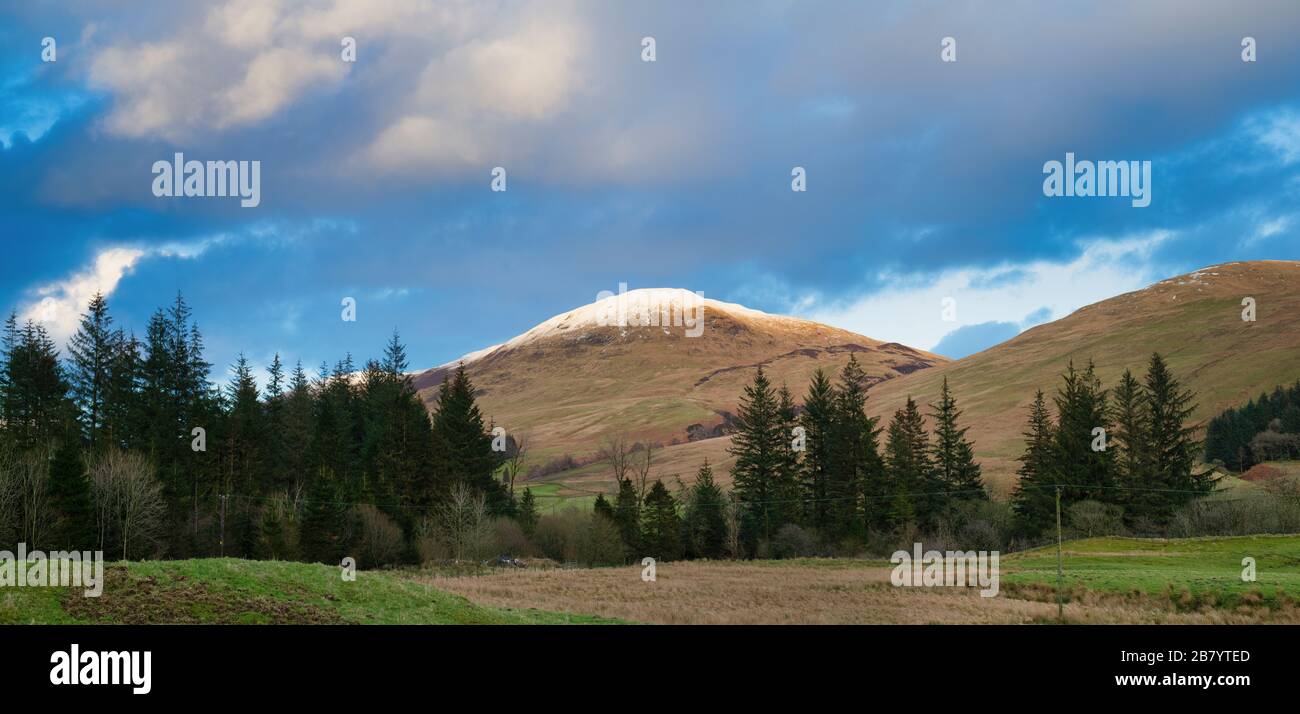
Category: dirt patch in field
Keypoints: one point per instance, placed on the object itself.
(742, 593)
(147, 601)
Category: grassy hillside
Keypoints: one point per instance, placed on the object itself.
(1189, 570)
(1193, 320)
(566, 391)
(231, 591)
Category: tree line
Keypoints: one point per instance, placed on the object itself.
(1131, 448)
(126, 445)
(1263, 429)
(823, 476)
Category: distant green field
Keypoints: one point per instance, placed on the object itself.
(232, 591)
(1201, 566)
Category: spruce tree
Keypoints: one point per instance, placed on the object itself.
(245, 471)
(1131, 441)
(759, 447)
(1084, 473)
(327, 524)
(124, 425)
(1033, 498)
(527, 515)
(855, 471)
(463, 444)
(786, 498)
(910, 472)
(34, 406)
(1173, 446)
(92, 351)
(817, 421)
(660, 524)
(706, 517)
(71, 507)
(627, 515)
(953, 454)
(603, 509)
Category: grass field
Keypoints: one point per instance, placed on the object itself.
(1107, 580)
(1191, 571)
(227, 590)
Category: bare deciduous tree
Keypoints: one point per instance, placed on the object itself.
(733, 515)
(617, 453)
(129, 505)
(9, 494)
(514, 459)
(641, 468)
(29, 475)
(463, 521)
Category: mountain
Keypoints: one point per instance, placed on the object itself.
(579, 378)
(571, 382)
(1193, 320)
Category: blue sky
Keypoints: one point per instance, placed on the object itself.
(924, 177)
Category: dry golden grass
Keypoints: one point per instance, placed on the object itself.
(834, 592)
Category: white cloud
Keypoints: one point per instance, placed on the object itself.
(59, 305)
(909, 309)
(273, 80)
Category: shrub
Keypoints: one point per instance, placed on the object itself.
(600, 542)
(791, 541)
(508, 538)
(1094, 518)
(381, 540)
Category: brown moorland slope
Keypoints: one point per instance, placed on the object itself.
(1193, 320)
(571, 382)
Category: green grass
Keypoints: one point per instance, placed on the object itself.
(227, 590)
(1201, 566)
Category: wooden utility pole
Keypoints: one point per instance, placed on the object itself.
(1060, 572)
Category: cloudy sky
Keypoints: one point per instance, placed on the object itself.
(924, 177)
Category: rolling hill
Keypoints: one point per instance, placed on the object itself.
(1193, 320)
(570, 382)
(579, 378)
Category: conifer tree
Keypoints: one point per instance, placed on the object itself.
(706, 517)
(92, 351)
(463, 444)
(910, 472)
(527, 515)
(660, 524)
(855, 469)
(73, 514)
(603, 508)
(1033, 498)
(953, 454)
(245, 471)
(817, 420)
(124, 426)
(327, 524)
(34, 405)
(1130, 440)
(759, 447)
(787, 503)
(1084, 473)
(1173, 447)
(627, 515)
